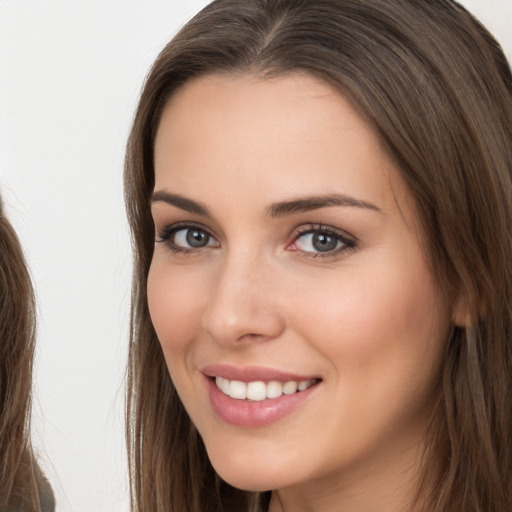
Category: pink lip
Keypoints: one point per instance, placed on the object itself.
(248, 414)
(251, 373)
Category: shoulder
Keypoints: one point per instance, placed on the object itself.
(46, 496)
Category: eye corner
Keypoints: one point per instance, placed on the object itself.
(186, 237)
(321, 241)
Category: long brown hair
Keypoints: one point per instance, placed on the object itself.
(20, 476)
(438, 89)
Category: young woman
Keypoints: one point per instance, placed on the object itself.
(320, 194)
(23, 487)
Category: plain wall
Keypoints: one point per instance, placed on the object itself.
(70, 75)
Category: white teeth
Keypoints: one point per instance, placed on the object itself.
(222, 384)
(259, 390)
(274, 389)
(304, 384)
(290, 387)
(256, 391)
(238, 390)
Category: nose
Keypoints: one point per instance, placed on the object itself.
(243, 303)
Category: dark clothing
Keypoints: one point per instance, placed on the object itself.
(46, 497)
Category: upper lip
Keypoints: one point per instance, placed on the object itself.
(252, 373)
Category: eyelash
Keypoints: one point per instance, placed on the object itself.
(167, 234)
(348, 242)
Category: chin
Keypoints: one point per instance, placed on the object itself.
(247, 473)
(248, 482)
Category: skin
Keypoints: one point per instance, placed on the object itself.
(368, 319)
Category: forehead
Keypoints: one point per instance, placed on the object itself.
(265, 112)
(288, 135)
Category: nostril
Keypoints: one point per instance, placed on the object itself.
(251, 335)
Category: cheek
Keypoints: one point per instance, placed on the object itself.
(175, 304)
(383, 337)
(376, 325)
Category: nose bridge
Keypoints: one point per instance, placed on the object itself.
(242, 304)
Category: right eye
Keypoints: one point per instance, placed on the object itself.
(187, 238)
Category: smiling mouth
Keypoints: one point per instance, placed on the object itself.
(257, 391)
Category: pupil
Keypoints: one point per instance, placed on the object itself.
(197, 238)
(324, 243)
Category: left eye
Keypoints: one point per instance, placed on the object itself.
(192, 238)
(321, 242)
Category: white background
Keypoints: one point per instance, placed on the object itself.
(70, 75)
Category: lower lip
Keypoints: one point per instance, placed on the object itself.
(255, 414)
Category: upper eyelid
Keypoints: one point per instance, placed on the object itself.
(177, 226)
(304, 229)
(166, 236)
(349, 242)
(301, 230)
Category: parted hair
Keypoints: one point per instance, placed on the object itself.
(438, 89)
(20, 476)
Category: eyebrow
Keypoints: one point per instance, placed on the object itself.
(181, 202)
(306, 204)
(278, 209)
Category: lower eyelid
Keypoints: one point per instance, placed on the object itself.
(344, 242)
(167, 236)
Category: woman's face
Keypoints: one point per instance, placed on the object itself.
(288, 268)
